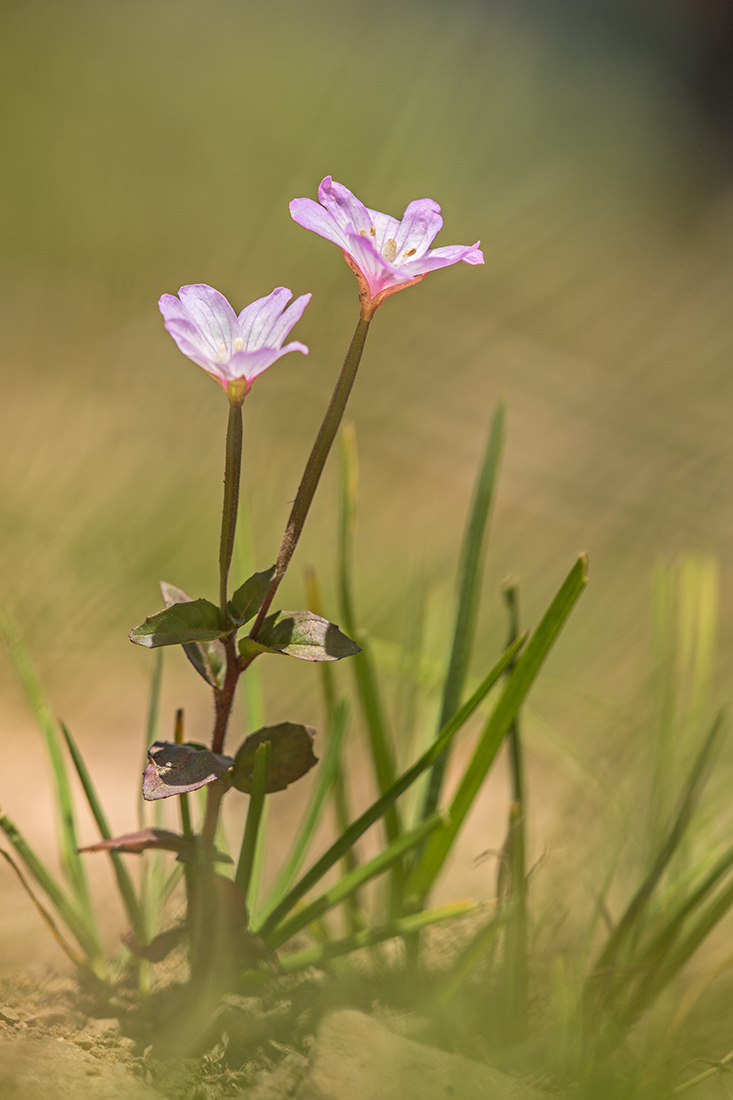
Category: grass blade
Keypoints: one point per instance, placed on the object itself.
(78, 960)
(66, 909)
(379, 808)
(528, 666)
(330, 766)
(340, 793)
(124, 882)
(254, 814)
(469, 594)
(405, 926)
(358, 878)
(627, 924)
(367, 683)
(70, 860)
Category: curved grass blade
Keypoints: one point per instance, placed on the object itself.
(437, 849)
(469, 594)
(377, 810)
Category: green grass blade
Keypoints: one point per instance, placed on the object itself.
(367, 684)
(365, 673)
(358, 878)
(660, 976)
(71, 862)
(469, 959)
(626, 926)
(436, 850)
(314, 811)
(405, 926)
(340, 792)
(469, 594)
(124, 882)
(151, 726)
(377, 810)
(254, 814)
(64, 906)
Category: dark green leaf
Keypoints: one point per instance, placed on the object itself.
(208, 658)
(177, 769)
(291, 756)
(306, 636)
(247, 600)
(192, 621)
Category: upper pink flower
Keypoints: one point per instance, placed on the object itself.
(234, 350)
(386, 255)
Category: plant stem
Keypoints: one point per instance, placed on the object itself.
(314, 466)
(231, 501)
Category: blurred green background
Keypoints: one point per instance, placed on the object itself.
(152, 143)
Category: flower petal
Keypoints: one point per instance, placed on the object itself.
(290, 317)
(250, 364)
(443, 257)
(257, 319)
(375, 269)
(212, 315)
(419, 227)
(312, 216)
(350, 215)
(184, 331)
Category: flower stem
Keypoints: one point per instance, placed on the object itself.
(231, 501)
(315, 464)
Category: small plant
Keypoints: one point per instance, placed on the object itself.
(234, 938)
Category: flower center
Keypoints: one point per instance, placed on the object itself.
(222, 355)
(389, 251)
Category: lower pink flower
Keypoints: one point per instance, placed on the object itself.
(233, 349)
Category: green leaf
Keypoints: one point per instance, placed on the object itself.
(208, 658)
(528, 666)
(177, 769)
(247, 600)
(291, 756)
(306, 636)
(191, 621)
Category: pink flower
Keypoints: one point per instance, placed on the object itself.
(234, 350)
(387, 255)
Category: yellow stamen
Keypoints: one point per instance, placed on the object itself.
(410, 252)
(373, 231)
(362, 232)
(239, 342)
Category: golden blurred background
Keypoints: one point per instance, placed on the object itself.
(152, 143)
